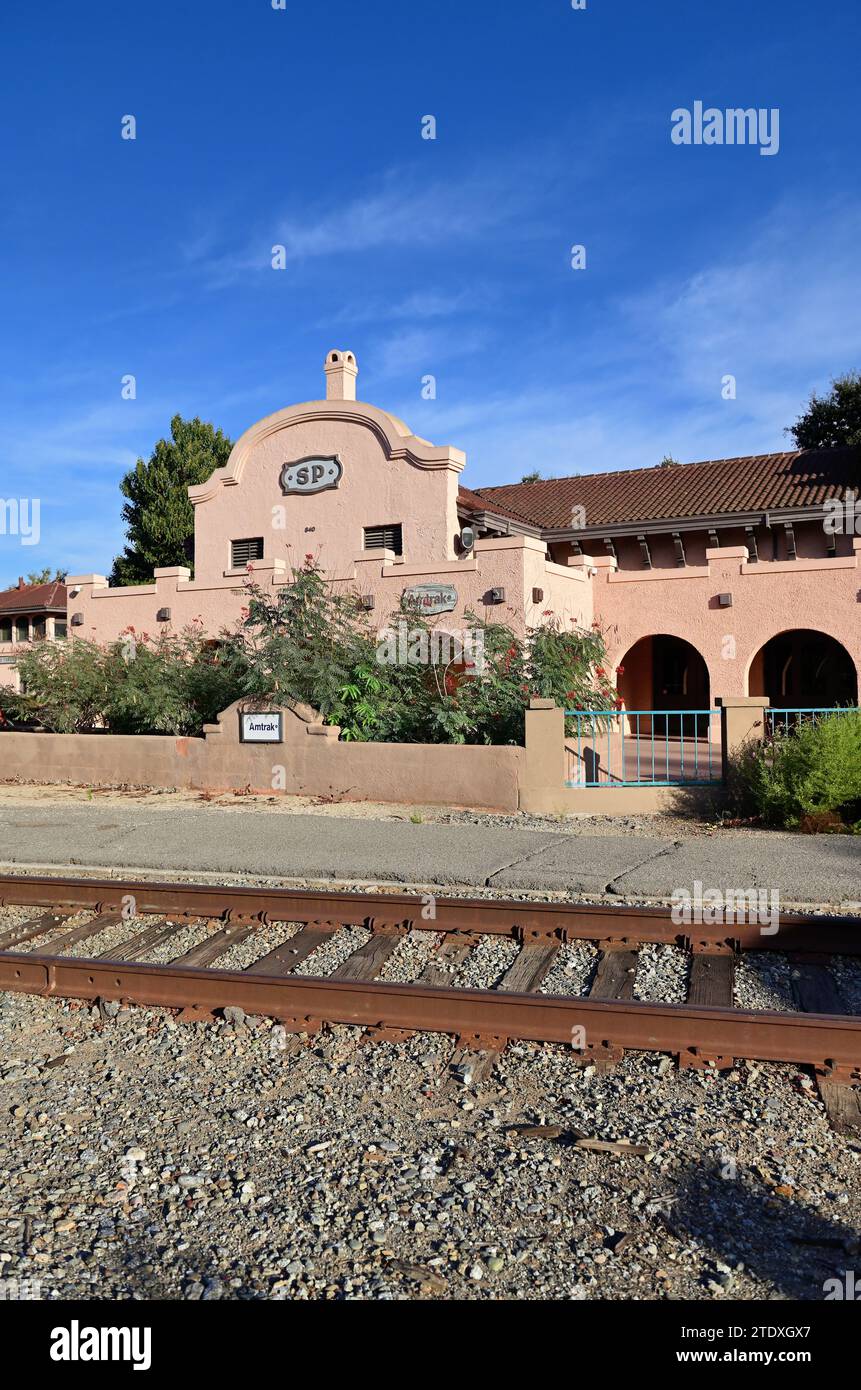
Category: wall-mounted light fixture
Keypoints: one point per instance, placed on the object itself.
(537, 595)
(367, 601)
(725, 600)
(496, 596)
(163, 615)
(77, 620)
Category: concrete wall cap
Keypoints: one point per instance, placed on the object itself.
(742, 701)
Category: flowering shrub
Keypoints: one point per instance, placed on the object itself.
(312, 644)
(306, 643)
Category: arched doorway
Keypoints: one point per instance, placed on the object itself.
(659, 740)
(803, 669)
(663, 672)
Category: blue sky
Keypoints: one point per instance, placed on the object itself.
(448, 257)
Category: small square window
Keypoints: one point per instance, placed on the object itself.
(389, 537)
(242, 553)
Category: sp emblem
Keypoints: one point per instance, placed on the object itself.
(311, 474)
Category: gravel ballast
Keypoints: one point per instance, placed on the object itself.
(143, 1158)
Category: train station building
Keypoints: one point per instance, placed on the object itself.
(729, 577)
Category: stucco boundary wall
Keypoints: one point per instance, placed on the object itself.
(543, 790)
(313, 761)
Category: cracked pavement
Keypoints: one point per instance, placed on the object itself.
(225, 840)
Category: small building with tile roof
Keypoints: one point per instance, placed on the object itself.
(29, 613)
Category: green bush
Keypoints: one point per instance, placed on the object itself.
(811, 770)
(66, 686)
(172, 684)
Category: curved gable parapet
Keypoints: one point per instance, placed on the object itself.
(394, 436)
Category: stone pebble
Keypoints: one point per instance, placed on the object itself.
(333, 952)
(763, 980)
(409, 958)
(662, 973)
(486, 964)
(262, 940)
(572, 969)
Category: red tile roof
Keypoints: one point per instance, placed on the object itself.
(718, 487)
(32, 598)
(470, 501)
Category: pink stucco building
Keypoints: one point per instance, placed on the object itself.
(730, 577)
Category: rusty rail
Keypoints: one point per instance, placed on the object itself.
(818, 935)
(598, 1025)
(828, 1043)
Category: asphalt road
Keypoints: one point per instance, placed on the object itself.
(209, 840)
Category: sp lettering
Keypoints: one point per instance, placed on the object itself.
(311, 474)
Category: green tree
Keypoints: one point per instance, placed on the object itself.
(833, 419)
(533, 477)
(158, 514)
(47, 576)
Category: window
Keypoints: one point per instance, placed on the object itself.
(243, 552)
(5, 629)
(59, 629)
(40, 629)
(389, 537)
(22, 630)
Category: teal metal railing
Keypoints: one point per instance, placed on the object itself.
(783, 721)
(642, 748)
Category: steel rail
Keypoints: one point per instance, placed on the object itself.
(830, 1043)
(819, 935)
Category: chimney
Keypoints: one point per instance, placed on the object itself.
(341, 373)
(20, 581)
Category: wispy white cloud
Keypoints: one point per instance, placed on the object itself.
(404, 211)
(782, 314)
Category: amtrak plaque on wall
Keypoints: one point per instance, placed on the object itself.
(313, 474)
(432, 598)
(261, 727)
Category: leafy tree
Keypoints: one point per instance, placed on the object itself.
(833, 419)
(45, 576)
(314, 645)
(533, 477)
(668, 462)
(158, 514)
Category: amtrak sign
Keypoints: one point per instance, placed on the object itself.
(261, 727)
(431, 598)
(313, 474)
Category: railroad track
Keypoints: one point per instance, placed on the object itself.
(55, 951)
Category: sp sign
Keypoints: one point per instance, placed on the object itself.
(311, 474)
